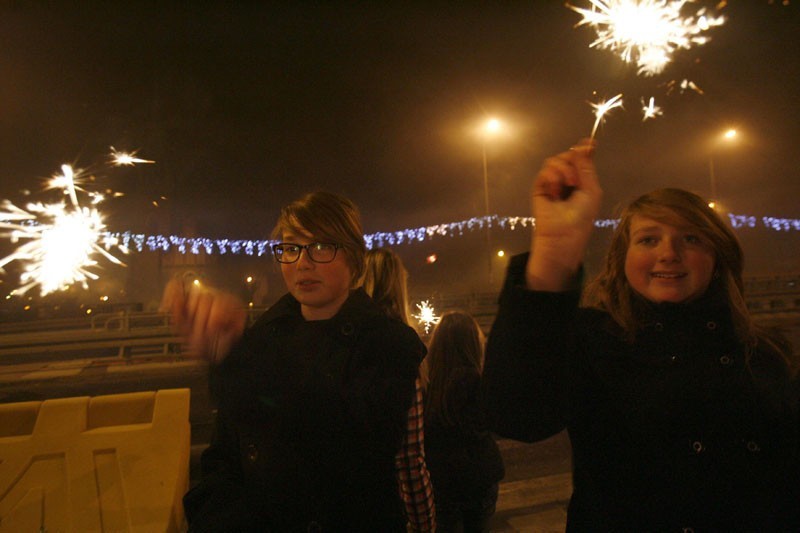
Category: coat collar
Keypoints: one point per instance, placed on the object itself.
(709, 311)
(357, 307)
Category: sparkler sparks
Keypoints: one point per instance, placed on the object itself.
(646, 31)
(60, 239)
(126, 159)
(426, 317)
(601, 108)
(650, 109)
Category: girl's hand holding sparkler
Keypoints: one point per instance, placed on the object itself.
(210, 321)
(565, 201)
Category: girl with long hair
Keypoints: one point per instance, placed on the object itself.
(681, 411)
(463, 458)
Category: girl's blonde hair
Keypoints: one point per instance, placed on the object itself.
(457, 344)
(386, 281)
(612, 292)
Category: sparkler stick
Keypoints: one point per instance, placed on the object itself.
(601, 108)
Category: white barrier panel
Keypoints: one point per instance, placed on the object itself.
(106, 463)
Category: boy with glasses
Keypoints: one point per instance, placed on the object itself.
(312, 398)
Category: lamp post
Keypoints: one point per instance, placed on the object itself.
(490, 129)
(727, 136)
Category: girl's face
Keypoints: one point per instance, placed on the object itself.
(321, 288)
(666, 263)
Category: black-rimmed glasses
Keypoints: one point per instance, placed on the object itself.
(319, 252)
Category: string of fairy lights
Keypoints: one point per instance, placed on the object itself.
(222, 246)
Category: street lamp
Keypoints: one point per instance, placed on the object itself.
(726, 137)
(491, 128)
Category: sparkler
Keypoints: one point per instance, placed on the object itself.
(646, 31)
(61, 239)
(426, 317)
(601, 108)
(650, 110)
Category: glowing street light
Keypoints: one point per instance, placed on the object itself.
(491, 128)
(726, 137)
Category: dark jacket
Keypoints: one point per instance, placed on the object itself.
(675, 430)
(311, 415)
(461, 454)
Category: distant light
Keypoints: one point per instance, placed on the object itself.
(730, 134)
(89, 311)
(104, 298)
(431, 259)
(250, 304)
(196, 282)
(501, 253)
(712, 204)
(493, 125)
(27, 308)
(249, 279)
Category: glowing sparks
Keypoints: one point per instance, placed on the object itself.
(646, 32)
(426, 316)
(126, 159)
(601, 108)
(650, 109)
(60, 239)
(683, 86)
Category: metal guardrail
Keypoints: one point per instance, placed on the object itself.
(126, 332)
(121, 333)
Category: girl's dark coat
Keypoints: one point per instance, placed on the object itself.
(676, 430)
(311, 415)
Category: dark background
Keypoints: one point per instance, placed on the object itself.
(244, 106)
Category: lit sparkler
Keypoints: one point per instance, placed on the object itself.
(646, 31)
(650, 109)
(601, 108)
(61, 239)
(426, 317)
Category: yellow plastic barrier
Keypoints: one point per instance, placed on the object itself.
(107, 463)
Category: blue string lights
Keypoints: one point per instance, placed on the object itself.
(196, 245)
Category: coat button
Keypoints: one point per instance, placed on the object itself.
(313, 527)
(348, 329)
(658, 326)
(674, 359)
(697, 446)
(687, 530)
(252, 453)
(753, 446)
(711, 325)
(725, 360)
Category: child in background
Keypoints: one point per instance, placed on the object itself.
(463, 458)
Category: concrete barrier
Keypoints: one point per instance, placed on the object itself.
(106, 463)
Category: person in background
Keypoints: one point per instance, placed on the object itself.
(386, 281)
(313, 398)
(463, 457)
(682, 412)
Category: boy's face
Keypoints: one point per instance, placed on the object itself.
(321, 288)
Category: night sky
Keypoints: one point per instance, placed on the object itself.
(247, 106)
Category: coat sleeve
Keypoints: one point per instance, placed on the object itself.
(526, 374)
